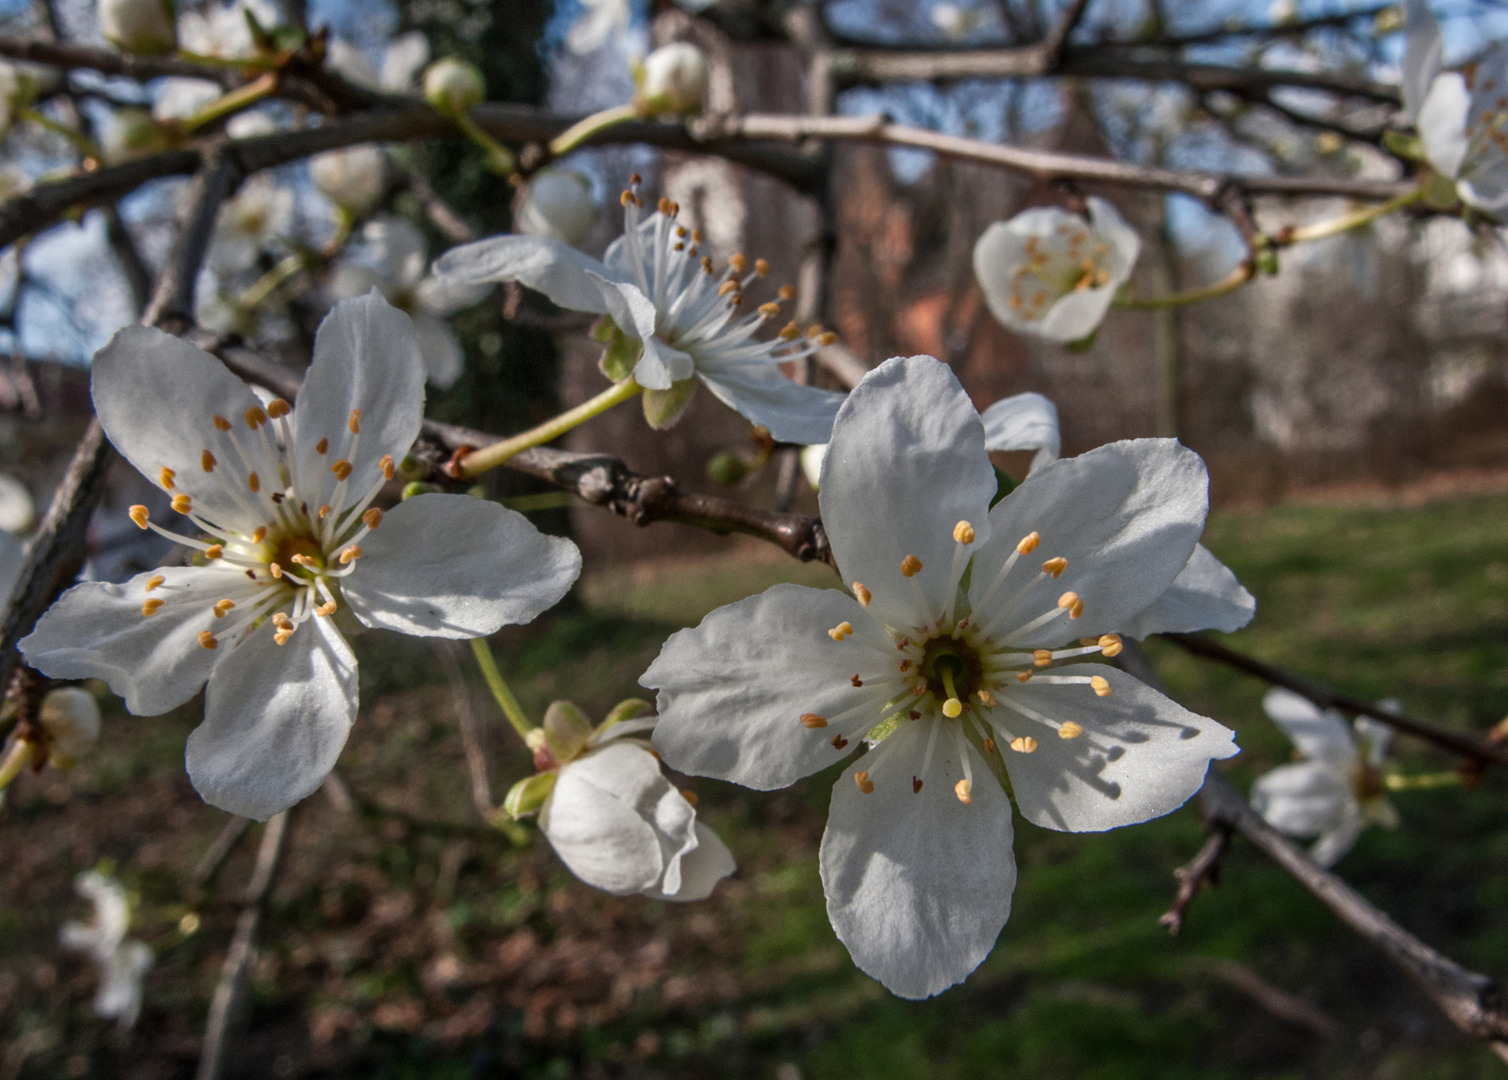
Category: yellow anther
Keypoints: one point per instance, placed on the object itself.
(664, 205)
(1110, 645)
(303, 560)
(277, 408)
(791, 332)
(207, 461)
(762, 267)
(626, 198)
(322, 446)
(769, 310)
(905, 665)
(350, 554)
(208, 640)
(738, 262)
(989, 745)
(1100, 684)
(387, 467)
(812, 721)
(814, 331)
(986, 697)
(1076, 610)
(1055, 567)
(324, 511)
(275, 570)
(341, 469)
(963, 532)
(839, 742)
(1041, 657)
(911, 566)
(222, 607)
(214, 551)
(255, 417)
(827, 338)
(1023, 676)
(154, 581)
(254, 482)
(1070, 730)
(167, 476)
(260, 535)
(353, 422)
(282, 634)
(841, 631)
(952, 708)
(726, 287)
(140, 514)
(221, 424)
(861, 593)
(965, 792)
(787, 293)
(325, 609)
(182, 504)
(372, 518)
(866, 785)
(1023, 744)
(152, 606)
(1068, 600)
(1029, 543)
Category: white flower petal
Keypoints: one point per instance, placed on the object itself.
(1373, 736)
(906, 463)
(455, 566)
(1140, 755)
(96, 630)
(762, 395)
(120, 991)
(918, 885)
(543, 264)
(446, 296)
(1422, 47)
(701, 868)
(1318, 734)
(157, 396)
(1125, 245)
(443, 356)
(401, 61)
(1126, 516)
(1442, 123)
(1076, 315)
(1204, 596)
(1024, 422)
(366, 356)
(661, 367)
(1302, 799)
(275, 720)
(1340, 837)
(733, 689)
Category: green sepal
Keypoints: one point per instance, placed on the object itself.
(1404, 145)
(602, 330)
(529, 794)
(1004, 485)
(1267, 260)
(1440, 192)
(662, 408)
(567, 730)
(626, 710)
(1084, 344)
(419, 487)
(621, 355)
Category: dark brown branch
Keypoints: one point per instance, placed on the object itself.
(1201, 872)
(1464, 743)
(1056, 41)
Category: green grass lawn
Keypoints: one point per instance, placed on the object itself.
(398, 950)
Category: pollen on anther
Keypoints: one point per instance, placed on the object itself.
(738, 262)
(1110, 645)
(322, 446)
(1023, 676)
(911, 566)
(727, 287)
(350, 554)
(1055, 567)
(255, 417)
(986, 697)
(1070, 730)
(207, 461)
(277, 408)
(353, 422)
(386, 465)
(221, 424)
(260, 534)
(856, 682)
(140, 515)
(1068, 600)
(965, 791)
(275, 570)
(989, 745)
(916, 785)
(841, 631)
(208, 640)
(762, 267)
(214, 551)
(905, 665)
(769, 310)
(811, 721)
(341, 469)
(827, 338)
(787, 293)
(1100, 685)
(166, 477)
(839, 742)
(372, 518)
(963, 533)
(282, 634)
(152, 606)
(1023, 744)
(325, 609)
(1029, 543)
(324, 511)
(182, 503)
(221, 607)
(866, 785)
(790, 332)
(1041, 657)
(861, 593)
(254, 482)
(153, 581)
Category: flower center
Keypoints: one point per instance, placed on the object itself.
(952, 670)
(303, 552)
(1069, 259)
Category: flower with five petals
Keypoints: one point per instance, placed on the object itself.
(123, 963)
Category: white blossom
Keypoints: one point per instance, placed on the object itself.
(675, 79)
(17, 510)
(1335, 790)
(402, 60)
(1048, 273)
(664, 296)
(179, 99)
(453, 85)
(221, 30)
(945, 679)
(123, 963)
(278, 502)
(600, 21)
(396, 265)
(138, 26)
(558, 204)
(256, 220)
(353, 178)
(70, 720)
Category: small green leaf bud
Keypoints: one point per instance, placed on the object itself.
(529, 794)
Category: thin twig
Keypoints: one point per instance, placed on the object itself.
(1459, 742)
(1201, 872)
(471, 734)
(230, 990)
(208, 866)
(1274, 999)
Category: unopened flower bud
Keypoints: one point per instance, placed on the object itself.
(69, 717)
(131, 133)
(726, 468)
(567, 729)
(675, 80)
(453, 86)
(353, 178)
(145, 27)
(528, 795)
(557, 204)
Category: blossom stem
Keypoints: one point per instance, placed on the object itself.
(268, 283)
(583, 130)
(1422, 781)
(504, 696)
(1228, 284)
(16, 760)
(1346, 222)
(499, 158)
(233, 102)
(490, 457)
(78, 139)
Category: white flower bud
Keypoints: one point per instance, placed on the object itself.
(675, 80)
(352, 178)
(70, 718)
(131, 133)
(139, 26)
(557, 204)
(453, 86)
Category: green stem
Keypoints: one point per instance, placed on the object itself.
(78, 139)
(1228, 284)
(1346, 222)
(583, 130)
(541, 500)
(490, 457)
(18, 758)
(505, 699)
(269, 281)
(1422, 781)
(499, 158)
(231, 63)
(232, 102)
